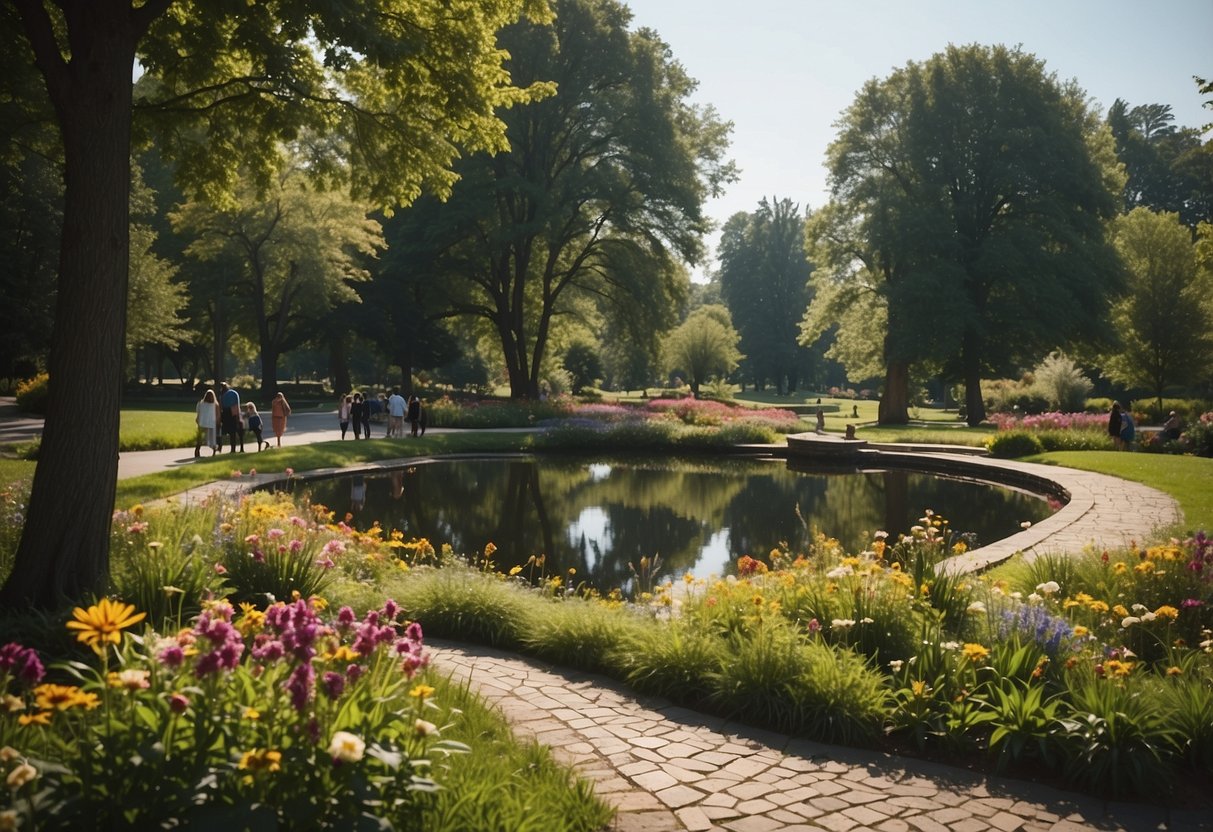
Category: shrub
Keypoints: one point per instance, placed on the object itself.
(1013, 444)
(1060, 382)
(32, 394)
(1198, 437)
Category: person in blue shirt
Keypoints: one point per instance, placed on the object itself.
(230, 416)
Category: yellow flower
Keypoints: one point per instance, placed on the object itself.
(1120, 611)
(257, 760)
(251, 620)
(103, 622)
(11, 704)
(40, 718)
(1120, 568)
(1167, 612)
(251, 714)
(1081, 631)
(1144, 567)
(421, 692)
(343, 654)
(959, 547)
(1098, 607)
(1174, 671)
(63, 697)
(976, 653)
(514, 570)
(1115, 667)
(9, 821)
(919, 688)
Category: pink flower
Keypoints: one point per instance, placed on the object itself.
(274, 534)
(334, 547)
(220, 569)
(136, 528)
(236, 474)
(178, 703)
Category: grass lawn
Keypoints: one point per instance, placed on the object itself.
(1189, 479)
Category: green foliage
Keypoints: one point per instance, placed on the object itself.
(1013, 444)
(1070, 440)
(1061, 382)
(577, 633)
(1115, 739)
(703, 346)
(675, 661)
(460, 603)
(32, 393)
(1024, 727)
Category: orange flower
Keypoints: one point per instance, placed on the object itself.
(63, 697)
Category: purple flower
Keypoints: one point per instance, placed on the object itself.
(299, 685)
(353, 672)
(334, 684)
(345, 618)
(22, 662)
(172, 656)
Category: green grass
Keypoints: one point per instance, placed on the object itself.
(151, 427)
(1189, 479)
(931, 434)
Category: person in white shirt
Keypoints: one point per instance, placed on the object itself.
(395, 414)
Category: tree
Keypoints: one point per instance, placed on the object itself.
(1167, 167)
(601, 190)
(764, 277)
(297, 252)
(410, 82)
(1163, 318)
(582, 363)
(969, 192)
(703, 346)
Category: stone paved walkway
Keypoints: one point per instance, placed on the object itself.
(667, 768)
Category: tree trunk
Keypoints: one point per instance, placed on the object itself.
(404, 359)
(975, 406)
(895, 402)
(339, 365)
(64, 549)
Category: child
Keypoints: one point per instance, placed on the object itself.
(253, 418)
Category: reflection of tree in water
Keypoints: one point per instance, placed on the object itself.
(637, 510)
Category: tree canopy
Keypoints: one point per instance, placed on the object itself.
(1162, 320)
(969, 193)
(397, 88)
(703, 346)
(764, 276)
(600, 192)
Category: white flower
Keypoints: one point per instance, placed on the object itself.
(1148, 616)
(1140, 608)
(1017, 595)
(842, 623)
(424, 729)
(1026, 524)
(20, 775)
(1129, 620)
(895, 665)
(867, 621)
(881, 535)
(839, 572)
(1034, 598)
(950, 645)
(976, 607)
(346, 747)
(1048, 588)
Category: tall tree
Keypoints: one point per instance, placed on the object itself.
(297, 249)
(601, 190)
(1163, 318)
(1167, 167)
(408, 80)
(704, 346)
(971, 192)
(764, 276)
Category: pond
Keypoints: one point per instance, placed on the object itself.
(598, 514)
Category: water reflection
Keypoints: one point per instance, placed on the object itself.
(596, 515)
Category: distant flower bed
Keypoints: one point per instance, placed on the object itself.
(1050, 421)
(711, 413)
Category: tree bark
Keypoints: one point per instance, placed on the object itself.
(895, 402)
(64, 549)
(975, 405)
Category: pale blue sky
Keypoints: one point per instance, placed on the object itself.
(782, 70)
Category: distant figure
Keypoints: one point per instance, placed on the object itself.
(207, 418)
(1114, 424)
(357, 493)
(414, 415)
(253, 419)
(854, 411)
(1127, 430)
(358, 413)
(1172, 427)
(369, 408)
(850, 431)
(395, 414)
(229, 414)
(821, 420)
(343, 414)
(279, 410)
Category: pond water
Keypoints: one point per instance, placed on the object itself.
(700, 516)
(596, 515)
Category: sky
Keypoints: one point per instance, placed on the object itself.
(783, 70)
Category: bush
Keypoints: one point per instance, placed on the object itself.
(1061, 383)
(1199, 436)
(1013, 444)
(32, 394)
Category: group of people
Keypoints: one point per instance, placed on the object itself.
(223, 415)
(1123, 431)
(355, 410)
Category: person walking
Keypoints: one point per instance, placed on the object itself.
(357, 414)
(253, 419)
(1114, 422)
(343, 414)
(229, 414)
(279, 410)
(206, 417)
(414, 414)
(395, 414)
(368, 408)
